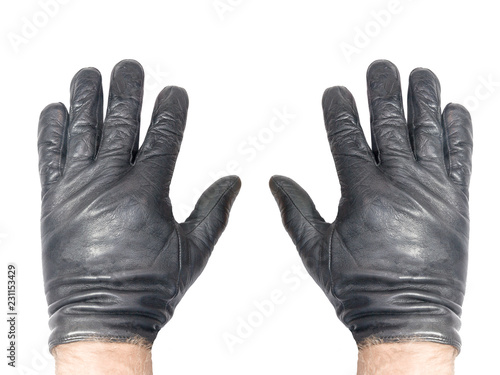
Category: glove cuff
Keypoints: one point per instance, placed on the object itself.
(104, 328)
(408, 328)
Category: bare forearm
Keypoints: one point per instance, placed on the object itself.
(100, 358)
(412, 358)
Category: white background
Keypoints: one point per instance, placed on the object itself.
(241, 64)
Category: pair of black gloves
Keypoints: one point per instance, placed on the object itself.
(393, 263)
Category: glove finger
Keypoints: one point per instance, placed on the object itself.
(458, 146)
(424, 118)
(347, 141)
(121, 126)
(163, 139)
(52, 127)
(85, 117)
(388, 124)
(210, 215)
(302, 221)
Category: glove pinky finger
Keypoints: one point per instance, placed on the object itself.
(51, 143)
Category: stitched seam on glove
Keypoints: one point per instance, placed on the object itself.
(293, 203)
(213, 207)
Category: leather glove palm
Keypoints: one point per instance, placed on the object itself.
(115, 261)
(394, 261)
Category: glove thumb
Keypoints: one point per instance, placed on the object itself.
(210, 215)
(302, 221)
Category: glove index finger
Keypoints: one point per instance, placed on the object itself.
(345, 135)
(458, 146)
(164, 137)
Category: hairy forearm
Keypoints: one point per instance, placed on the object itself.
(413, 358)
(101, 358)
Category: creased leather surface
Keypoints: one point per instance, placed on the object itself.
(115, 261)
(394, 261)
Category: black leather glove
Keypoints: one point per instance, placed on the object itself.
(394, 262)
(115, 261)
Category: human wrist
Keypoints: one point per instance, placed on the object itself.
(411, 358)
(103, 358)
